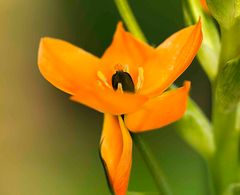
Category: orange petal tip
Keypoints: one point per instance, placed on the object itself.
(159, 111)
(187, 85)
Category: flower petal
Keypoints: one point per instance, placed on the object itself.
(66, 66)
(172, 58)
(125, 50)
(159, 111)
(108, 101)
(116, 153)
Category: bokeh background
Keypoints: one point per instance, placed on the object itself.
(48, 144)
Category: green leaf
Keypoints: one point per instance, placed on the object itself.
(226, 12)
(208, 54)
(228, 85)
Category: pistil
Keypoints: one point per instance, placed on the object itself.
(125, 79)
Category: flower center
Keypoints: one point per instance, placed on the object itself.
(124, 80)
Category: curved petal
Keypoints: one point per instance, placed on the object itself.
(66, 66)
(125, 50)
(159, 111)
(108, 101)
(116, 153)
(171, 59)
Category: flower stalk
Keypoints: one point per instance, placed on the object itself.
(152, 164)
(129, 18)
(208, 55)
(225, 123)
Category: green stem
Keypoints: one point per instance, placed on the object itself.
(230, 48)
(152, 164)
(226, 155)
(225, 162)
(130, 19)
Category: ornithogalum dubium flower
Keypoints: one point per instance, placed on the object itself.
(128, 84)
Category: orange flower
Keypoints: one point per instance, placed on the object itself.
(127, 84)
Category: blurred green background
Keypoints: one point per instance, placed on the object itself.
(48, 144)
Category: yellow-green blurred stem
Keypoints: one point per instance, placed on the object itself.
(152, 164)
(225, 161)
(230, 47)
(128, 17)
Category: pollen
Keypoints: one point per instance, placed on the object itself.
(120, 67)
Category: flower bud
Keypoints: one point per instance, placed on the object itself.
(208, 54)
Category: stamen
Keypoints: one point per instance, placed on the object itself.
(126, 68)
(140, 78)
(103, 78)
